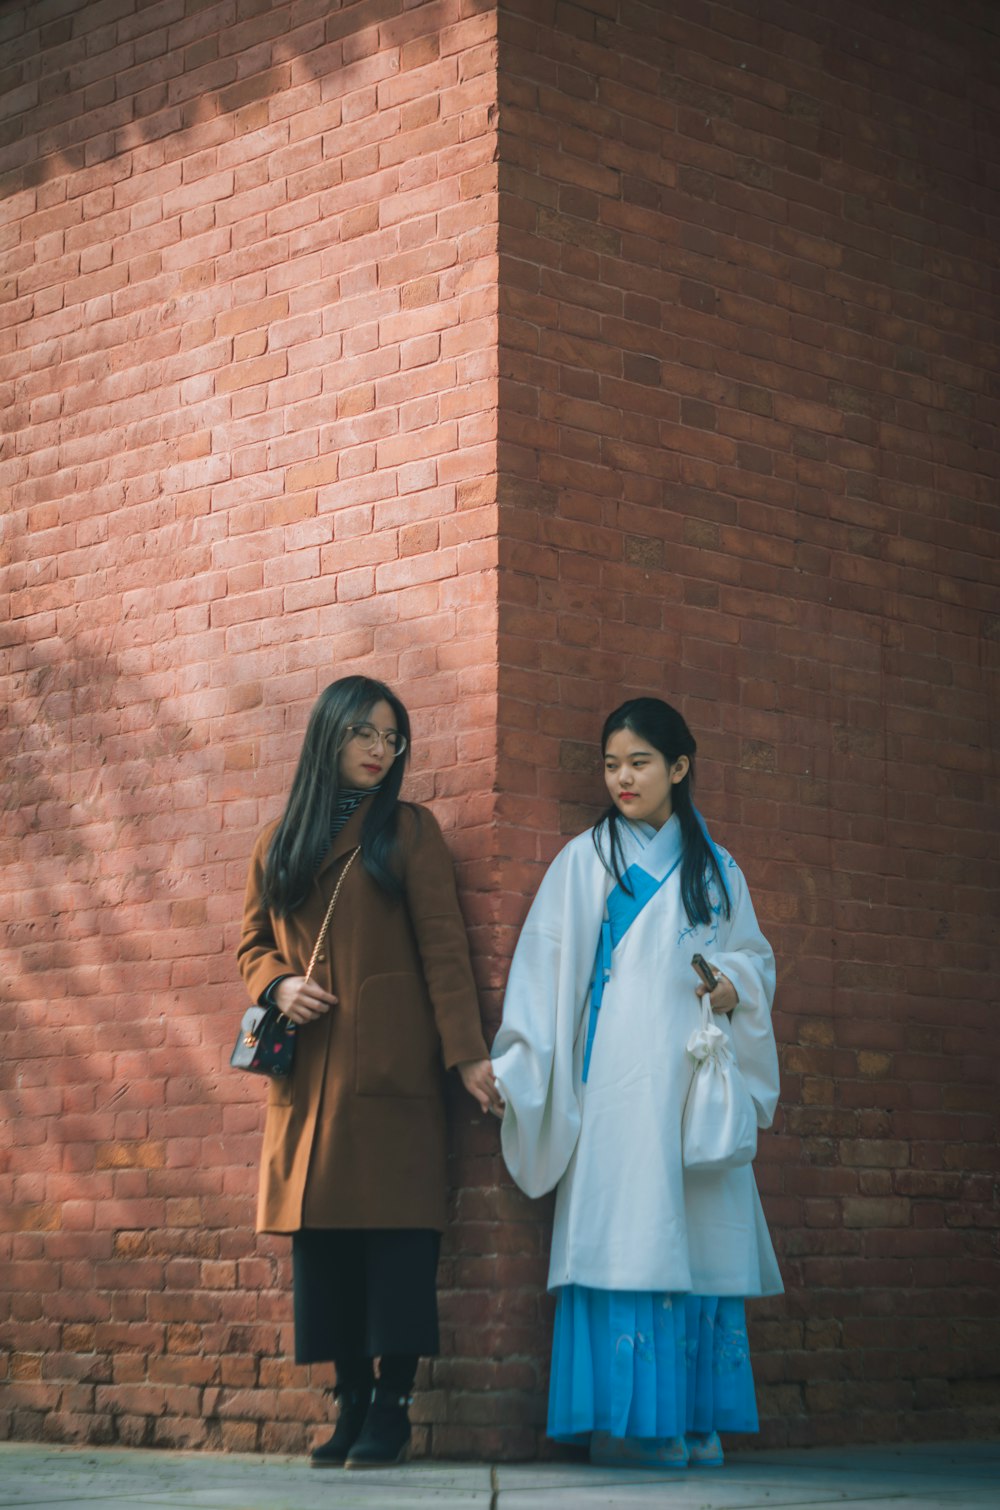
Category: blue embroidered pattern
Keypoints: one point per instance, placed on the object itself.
(641, 1364)
(711, 932)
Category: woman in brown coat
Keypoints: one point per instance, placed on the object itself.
(353, 1163)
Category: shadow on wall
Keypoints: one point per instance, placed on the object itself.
(172, 76)
(132, 1146)
(149, 1312)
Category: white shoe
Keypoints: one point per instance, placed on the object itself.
(704, 1449)
(607, 1451)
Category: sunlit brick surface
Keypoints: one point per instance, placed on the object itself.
(250, 355)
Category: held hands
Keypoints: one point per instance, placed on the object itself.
(724, 998)
(302, 1000)
(477, 1077)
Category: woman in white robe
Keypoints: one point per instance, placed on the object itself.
(650, 1262)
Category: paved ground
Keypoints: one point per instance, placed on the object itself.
(960, 1476)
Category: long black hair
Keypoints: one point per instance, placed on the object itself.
(299, 841)
(663, 727)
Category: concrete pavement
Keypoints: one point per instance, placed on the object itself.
(960, 1476)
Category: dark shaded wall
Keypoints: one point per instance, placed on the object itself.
(748, 410)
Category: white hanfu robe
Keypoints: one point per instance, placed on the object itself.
(628, 1216)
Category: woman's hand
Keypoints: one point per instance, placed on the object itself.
(477, 1077)
(302, 1000)
(724, 998)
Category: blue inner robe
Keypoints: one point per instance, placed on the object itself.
(622, 910)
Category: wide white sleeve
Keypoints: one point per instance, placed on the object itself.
(547, 992)
(743, 954)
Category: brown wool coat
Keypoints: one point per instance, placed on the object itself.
(356, 1136)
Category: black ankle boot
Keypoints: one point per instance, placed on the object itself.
(385, 1436)
(353, 1401)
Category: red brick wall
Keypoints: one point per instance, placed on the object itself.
(747, 457)
(249, 351)
(748, 461)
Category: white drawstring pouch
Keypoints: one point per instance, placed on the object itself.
(719, 1126)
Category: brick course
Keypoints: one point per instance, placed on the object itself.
(527, 360)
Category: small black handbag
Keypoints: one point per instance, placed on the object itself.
(265, 1044)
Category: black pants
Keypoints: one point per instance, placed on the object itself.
(364, 1293)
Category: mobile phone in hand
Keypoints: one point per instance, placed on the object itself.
(705, 970)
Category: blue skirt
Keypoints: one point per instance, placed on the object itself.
(639, 1364)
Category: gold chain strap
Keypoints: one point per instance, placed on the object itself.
(329, 911)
